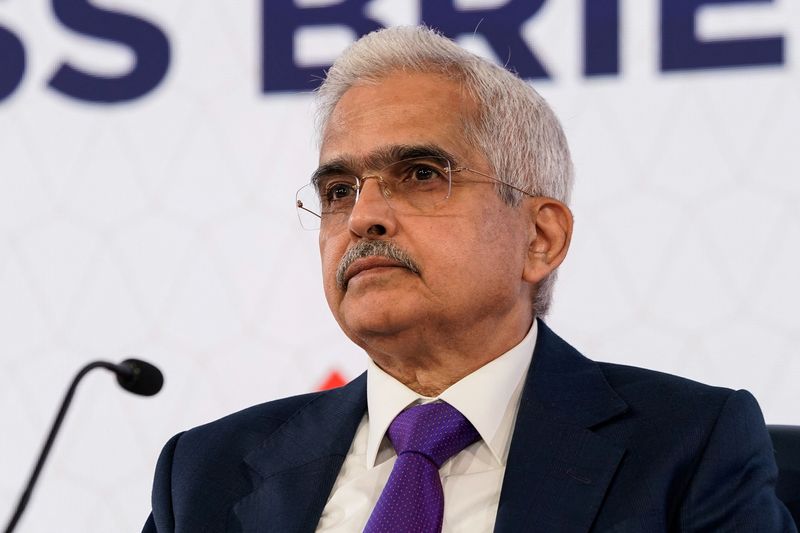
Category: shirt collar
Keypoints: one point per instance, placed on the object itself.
(488, 398)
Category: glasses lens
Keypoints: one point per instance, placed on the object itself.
(418, 184)
(308, 208)
(414, 185)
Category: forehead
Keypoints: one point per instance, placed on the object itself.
(402, 109)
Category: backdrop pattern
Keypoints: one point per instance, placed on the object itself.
(165, 228)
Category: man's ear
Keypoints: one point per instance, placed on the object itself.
(550, 235)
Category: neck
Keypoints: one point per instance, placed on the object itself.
(428, 366)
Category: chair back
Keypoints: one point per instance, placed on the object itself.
(786, 442)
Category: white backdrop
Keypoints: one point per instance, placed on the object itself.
(165, 228)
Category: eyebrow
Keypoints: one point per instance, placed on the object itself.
(379, 158)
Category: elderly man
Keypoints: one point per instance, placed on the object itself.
(440, 200)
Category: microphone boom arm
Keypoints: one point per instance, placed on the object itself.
(127, 372)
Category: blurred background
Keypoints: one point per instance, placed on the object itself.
(149, 156)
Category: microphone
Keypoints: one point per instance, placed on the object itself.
(133, 375)
(139, 377)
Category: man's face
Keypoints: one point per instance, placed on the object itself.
(470, 252)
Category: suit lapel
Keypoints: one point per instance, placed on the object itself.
(558, 470)
(296, 467)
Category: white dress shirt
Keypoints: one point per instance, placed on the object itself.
(472, 479)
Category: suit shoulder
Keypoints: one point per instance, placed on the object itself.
(625, 376)
(257, 420)
(651, 392)
(242, 431)
(648, 395)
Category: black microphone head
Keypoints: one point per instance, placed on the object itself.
(142, 378)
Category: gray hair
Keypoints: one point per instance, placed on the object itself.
(514, 126)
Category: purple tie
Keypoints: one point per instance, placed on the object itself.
(424, 437)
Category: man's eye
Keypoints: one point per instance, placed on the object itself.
(423, 173)
(338, 191)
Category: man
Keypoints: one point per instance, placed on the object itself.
(441, 203)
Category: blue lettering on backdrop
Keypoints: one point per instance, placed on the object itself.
(682, 50)
(501, 26)
(280, 20)
(601, 37)
(12, 63)
(148, 43)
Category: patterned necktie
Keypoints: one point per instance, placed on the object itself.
(424, 437)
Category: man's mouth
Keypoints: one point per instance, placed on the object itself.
(371, 254)
(368, 263)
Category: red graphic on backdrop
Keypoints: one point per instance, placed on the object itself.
(332, 380)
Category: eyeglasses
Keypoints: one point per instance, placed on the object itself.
(418, 185)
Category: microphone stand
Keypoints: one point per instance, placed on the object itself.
(48, 444)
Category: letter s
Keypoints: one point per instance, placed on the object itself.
(12, 63)
(148, 43)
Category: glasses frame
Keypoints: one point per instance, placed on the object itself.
(386, 190)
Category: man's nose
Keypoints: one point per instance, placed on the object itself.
(372, 216)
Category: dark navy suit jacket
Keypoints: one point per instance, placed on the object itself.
(597, 447)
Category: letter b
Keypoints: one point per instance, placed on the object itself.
(281, 18)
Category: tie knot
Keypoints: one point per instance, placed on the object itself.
(435, 430)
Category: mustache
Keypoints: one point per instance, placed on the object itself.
(371, 249)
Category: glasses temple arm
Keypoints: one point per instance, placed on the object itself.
(301, 206)
(498, 180)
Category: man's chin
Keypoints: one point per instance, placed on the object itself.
(376, 315)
